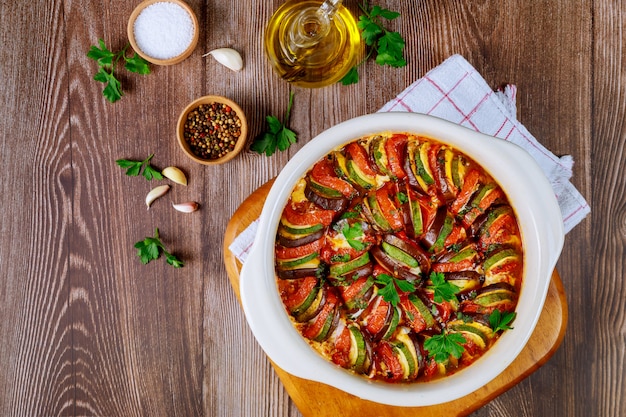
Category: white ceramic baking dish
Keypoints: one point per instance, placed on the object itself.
(541, 226)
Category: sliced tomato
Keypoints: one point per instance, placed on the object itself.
(388, 208)
(471, 353)
(323, 172)
(328, 252)
(350, 292)
(379, 270)
(503, 231)
(510, 266)
(377, 317)
(463, 265)
(307, 214)
(429, 211)
(299, 251)
(433, 155)
(387, 364)
(489, 199)
(412, 315)
(315, 326)
(294, 292)
(470, 307)
(458, 234)
(483, 205)
(341, 351)
(359, 155)
(431, 368)
(395, 147)
(469, 187)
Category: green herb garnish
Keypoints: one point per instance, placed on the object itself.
(353, 233)
(107, 60)
(500, 321)
(340, 258)
(442, 288)
(389, 288)
(151, 249)
(277, 135)
(134, 168)
(388, 45)
(441, 346)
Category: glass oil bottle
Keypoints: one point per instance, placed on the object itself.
(313, 43)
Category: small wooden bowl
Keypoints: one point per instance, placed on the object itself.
(180, 129)
(170, 61)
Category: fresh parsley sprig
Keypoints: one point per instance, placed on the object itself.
(387, 45)
(389, 288)
(500, 321)
(441, 346)
(277, 135)
(107, 61)
(134, 168)
(443, 290)
(353, 234)
(151, 249)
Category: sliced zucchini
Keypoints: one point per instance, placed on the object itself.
(359, 352)
(423, 310)
(400, 255)
(344, 268)
(312, 260)
(311, 305)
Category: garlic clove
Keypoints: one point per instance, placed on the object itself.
(155, 193)
(175, 174)
(227, 57)
(188, 207)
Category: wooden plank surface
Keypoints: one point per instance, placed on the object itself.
(87, 330)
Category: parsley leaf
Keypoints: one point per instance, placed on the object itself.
(389, 288)
(442, 288)
(107, 61)
(133, 168)
(500, 321)
(340, 258)
(277, 135)
(137, 64)
(151, 249)
(352, 233)
(150, 173)
(441, 346)
(387, 45)
(352, 77)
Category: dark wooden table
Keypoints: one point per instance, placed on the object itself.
(86, 329)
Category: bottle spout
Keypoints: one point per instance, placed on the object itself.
(310, 27)
(329, 8)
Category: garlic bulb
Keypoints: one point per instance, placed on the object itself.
(227, 57)
(175, 174)
(188, 207)
(155, 193)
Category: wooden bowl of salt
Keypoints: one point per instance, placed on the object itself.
(163, 32)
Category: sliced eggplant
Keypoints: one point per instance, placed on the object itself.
(393, 266)
(410, 248)
(337, 204)
(291, 240)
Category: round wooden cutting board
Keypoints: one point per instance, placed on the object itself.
(314, 399)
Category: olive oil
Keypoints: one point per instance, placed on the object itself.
(311, 43)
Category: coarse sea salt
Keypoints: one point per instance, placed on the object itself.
(163, 30)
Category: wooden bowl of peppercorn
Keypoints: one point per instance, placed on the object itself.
(212, 130)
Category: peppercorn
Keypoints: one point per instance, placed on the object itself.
(212, 130)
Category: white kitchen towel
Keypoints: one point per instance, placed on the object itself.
(455, 91)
